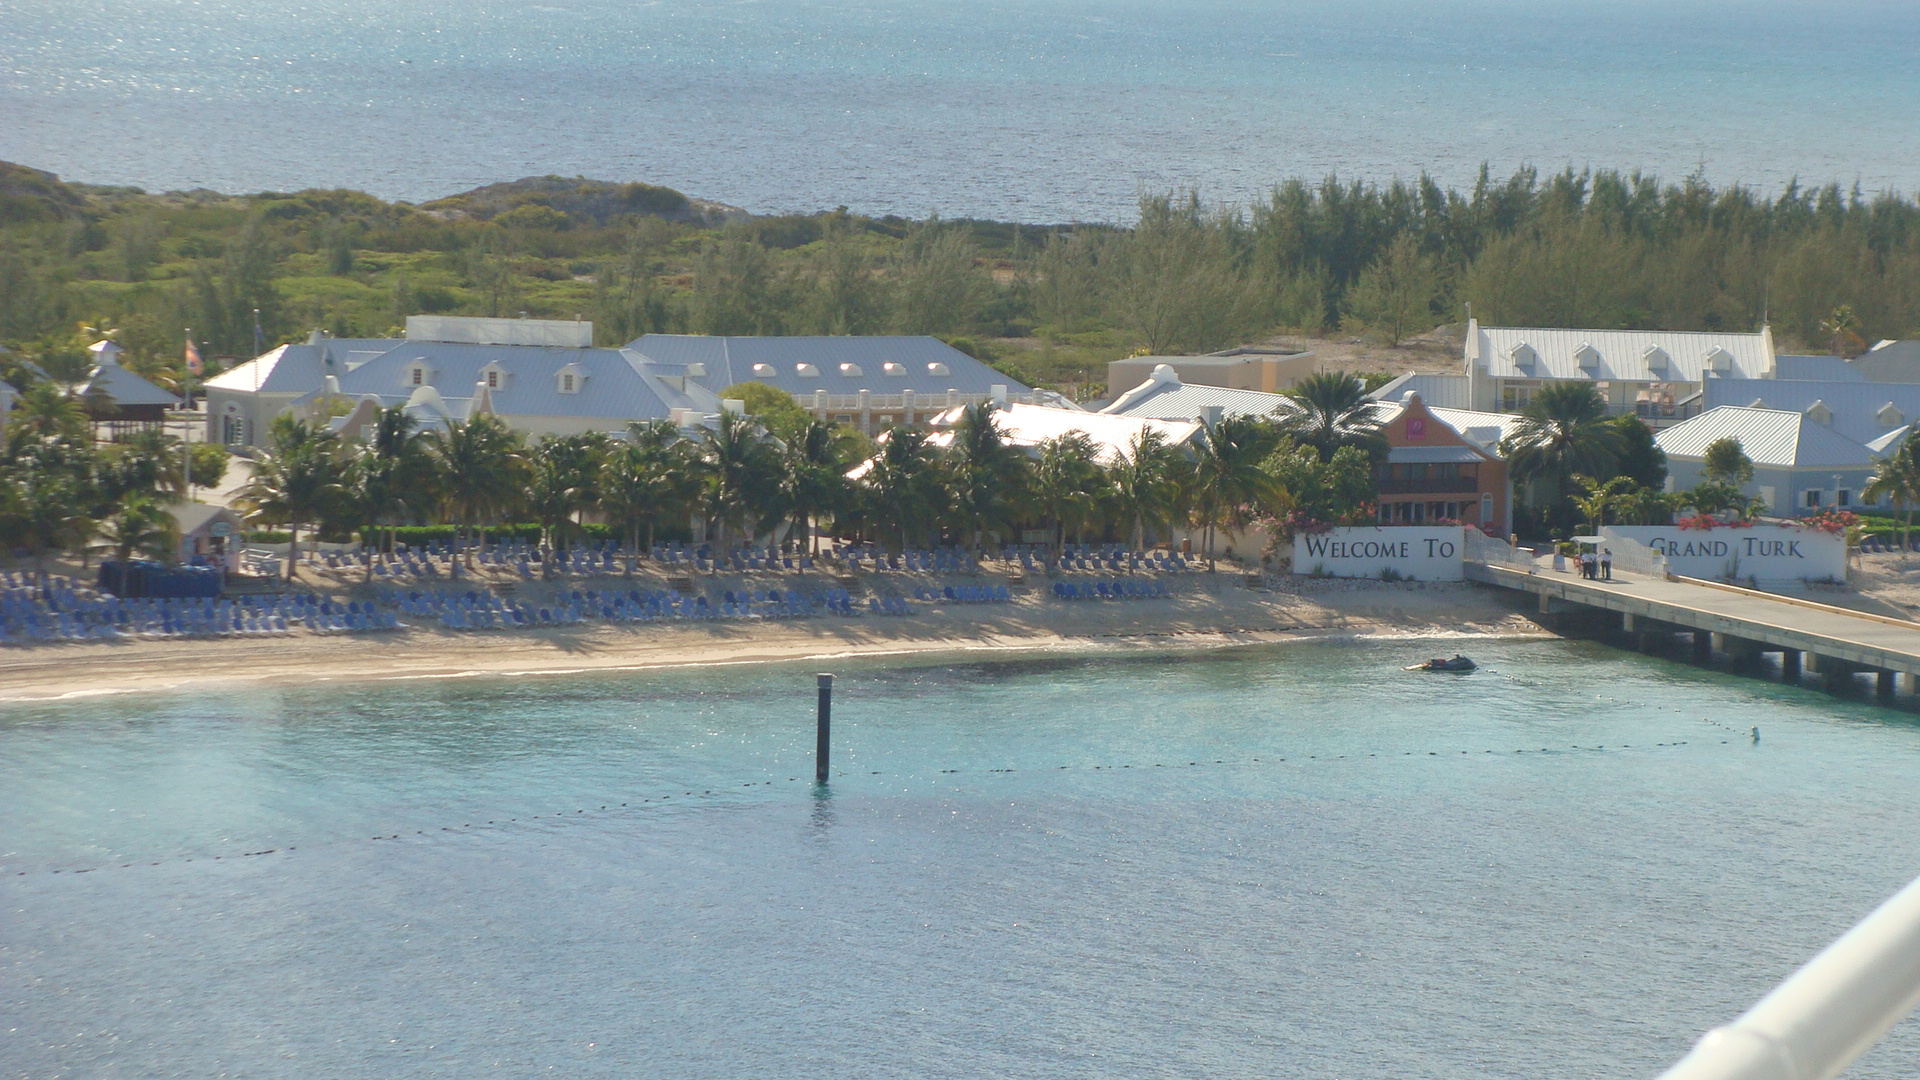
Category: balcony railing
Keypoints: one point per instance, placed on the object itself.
(1456, 485)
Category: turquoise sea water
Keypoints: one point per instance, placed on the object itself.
(1277, 861)
(1037, 110)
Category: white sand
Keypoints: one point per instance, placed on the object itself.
(1206, 611)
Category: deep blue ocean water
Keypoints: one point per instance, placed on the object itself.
(1043, 110)
(1292, 861)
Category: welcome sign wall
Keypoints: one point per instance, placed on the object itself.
(1763, 553)
(1422, 552)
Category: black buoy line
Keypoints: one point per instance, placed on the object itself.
(692, 797)
(823, 771)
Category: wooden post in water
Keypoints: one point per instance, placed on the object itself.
(823, 730)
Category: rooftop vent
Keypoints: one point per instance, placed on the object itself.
(1523, 355)
(1587, 356)
(763, 371)
(1819, 413)
(1719, 359)
(851, 369)
(1656, 358)
(891, 368)
(1890, 415)
(807, 371)
(938, 368)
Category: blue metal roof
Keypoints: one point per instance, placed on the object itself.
(611, 383)
(838, 365)
(1857, 407)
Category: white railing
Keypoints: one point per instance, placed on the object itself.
(1826, 1014)
(1485, 549)
(1633, 556)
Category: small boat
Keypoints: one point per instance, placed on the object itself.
(1458, 663)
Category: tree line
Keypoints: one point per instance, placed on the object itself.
(1828, 267)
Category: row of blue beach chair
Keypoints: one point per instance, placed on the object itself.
(965, 594)
(1110, 590)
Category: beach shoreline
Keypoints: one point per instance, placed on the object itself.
(1196, 619)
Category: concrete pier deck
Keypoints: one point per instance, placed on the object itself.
(1834, 641)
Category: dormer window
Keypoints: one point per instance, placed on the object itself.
(1719, 359)
(1523, 355)
(1890, 415)
(1819, 413)
(807, 371)
(570, 378)
(851, 369)
(494, 376)
(1656, 358)
(763, 371)
(1587, 356)
(938, 368)
(891, 368)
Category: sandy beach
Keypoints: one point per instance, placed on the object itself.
(1205, 612)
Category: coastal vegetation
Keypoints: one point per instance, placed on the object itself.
(1828, 267)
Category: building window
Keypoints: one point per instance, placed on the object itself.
(418, 376)
(1843, 497)
(1515, 396)
(843, 418)
(233, 430)
(566, 383)
(1810, 499)
(493, 380)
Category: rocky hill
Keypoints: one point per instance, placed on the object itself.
(537, 200)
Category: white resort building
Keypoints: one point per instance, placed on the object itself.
(1653, 374)
(545, 377)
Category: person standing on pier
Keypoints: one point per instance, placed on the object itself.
(1606, 563)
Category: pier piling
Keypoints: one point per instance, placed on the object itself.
(823, 730)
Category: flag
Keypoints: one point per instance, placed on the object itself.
(194, 366)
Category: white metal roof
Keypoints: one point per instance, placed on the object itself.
(1857, 407)
(837, 365)
(301, 367)
(1634, 355)
(1165, 397)
(1445, 391)
(1773, 438)
(1891, 439)
(1027, 426)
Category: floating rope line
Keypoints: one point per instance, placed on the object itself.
(653, 801)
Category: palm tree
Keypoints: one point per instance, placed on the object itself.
(674, 468)
(142, 525)
(1334, 411)
(43, 506)
(299, 479)
(986, 474)
(1068, 485)
(742, 478)
(482, 471)
(1562, 432)
(813, 476)
(1897, 477)
(1230, 481)
(42, 410)
(393, 475)
(564, 483)
(1600, 497)
(904, 493)
(1149, 481)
